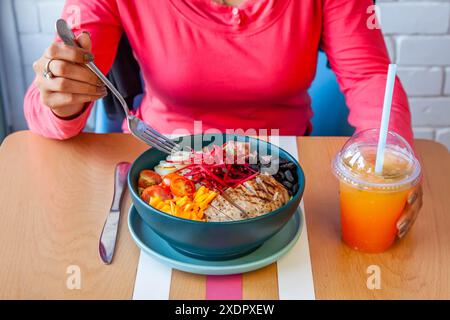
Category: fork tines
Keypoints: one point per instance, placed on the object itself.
(159, 141)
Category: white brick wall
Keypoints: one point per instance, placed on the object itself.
(417, 34)
(422, 81)
(35, 21)
(426, 17)
(430, 111)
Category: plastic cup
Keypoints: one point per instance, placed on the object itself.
(371, 203)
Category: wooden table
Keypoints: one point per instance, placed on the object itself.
(54, 197)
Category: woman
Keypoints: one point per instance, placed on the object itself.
(229, 63)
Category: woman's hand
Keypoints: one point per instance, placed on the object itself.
(412, 208)
(71, 84)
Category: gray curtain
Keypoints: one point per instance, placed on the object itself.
(2, 118)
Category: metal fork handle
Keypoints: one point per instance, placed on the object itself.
(110, 86)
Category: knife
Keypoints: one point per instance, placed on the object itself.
(108, 237)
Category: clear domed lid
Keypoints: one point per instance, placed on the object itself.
(355, 163)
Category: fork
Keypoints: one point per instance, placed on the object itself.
(137, 127)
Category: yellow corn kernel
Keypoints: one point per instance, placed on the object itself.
(154, 201)
(201, 198)
(198, 196)
(160, 205)
(201, 190)
(184, 215)
(172, 208)
(200, 214)
(188, 207)
(166, 209)
(182, 201)
(180, 211)
(211, 197)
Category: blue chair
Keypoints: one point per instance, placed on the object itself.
(104, 124)
(328, 103)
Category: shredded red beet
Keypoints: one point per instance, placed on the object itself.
(215, 169)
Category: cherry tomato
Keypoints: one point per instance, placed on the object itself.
(166, 189)
(167, 179)
(182, 187)
(155, 191)
(148, 178)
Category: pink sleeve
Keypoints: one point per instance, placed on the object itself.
(359, 58)
(101, 19)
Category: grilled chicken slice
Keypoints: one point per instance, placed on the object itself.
(256, 197)
(256, 188)
(248, 201)
(221, 209)
(277, 191)
(261, 195)
(214, 215)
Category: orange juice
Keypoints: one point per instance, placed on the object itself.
(371, 203)
(369, 218)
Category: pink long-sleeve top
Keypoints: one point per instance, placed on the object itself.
(236, 67)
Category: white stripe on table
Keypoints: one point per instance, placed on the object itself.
(295, 280)
(152, 279)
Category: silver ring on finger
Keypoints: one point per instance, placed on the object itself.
(47, 73)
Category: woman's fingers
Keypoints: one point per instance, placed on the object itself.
(411, 211)
(71, 84)
(415, 200)
(60, 51)
(61, 100)
(65, 85)
(84, 40)
(64, 69)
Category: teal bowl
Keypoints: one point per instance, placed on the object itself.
(213, 240)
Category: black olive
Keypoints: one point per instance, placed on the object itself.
(289, 176)
(290, 193)
(277, 176)
(283, 161)
(295, 188)
(287, 184)
(281, 174)
(288, 166)
(294, 174)
(291, 166)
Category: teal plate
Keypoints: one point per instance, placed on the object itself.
(272, 250)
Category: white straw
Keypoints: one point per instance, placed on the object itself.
(385, 117)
